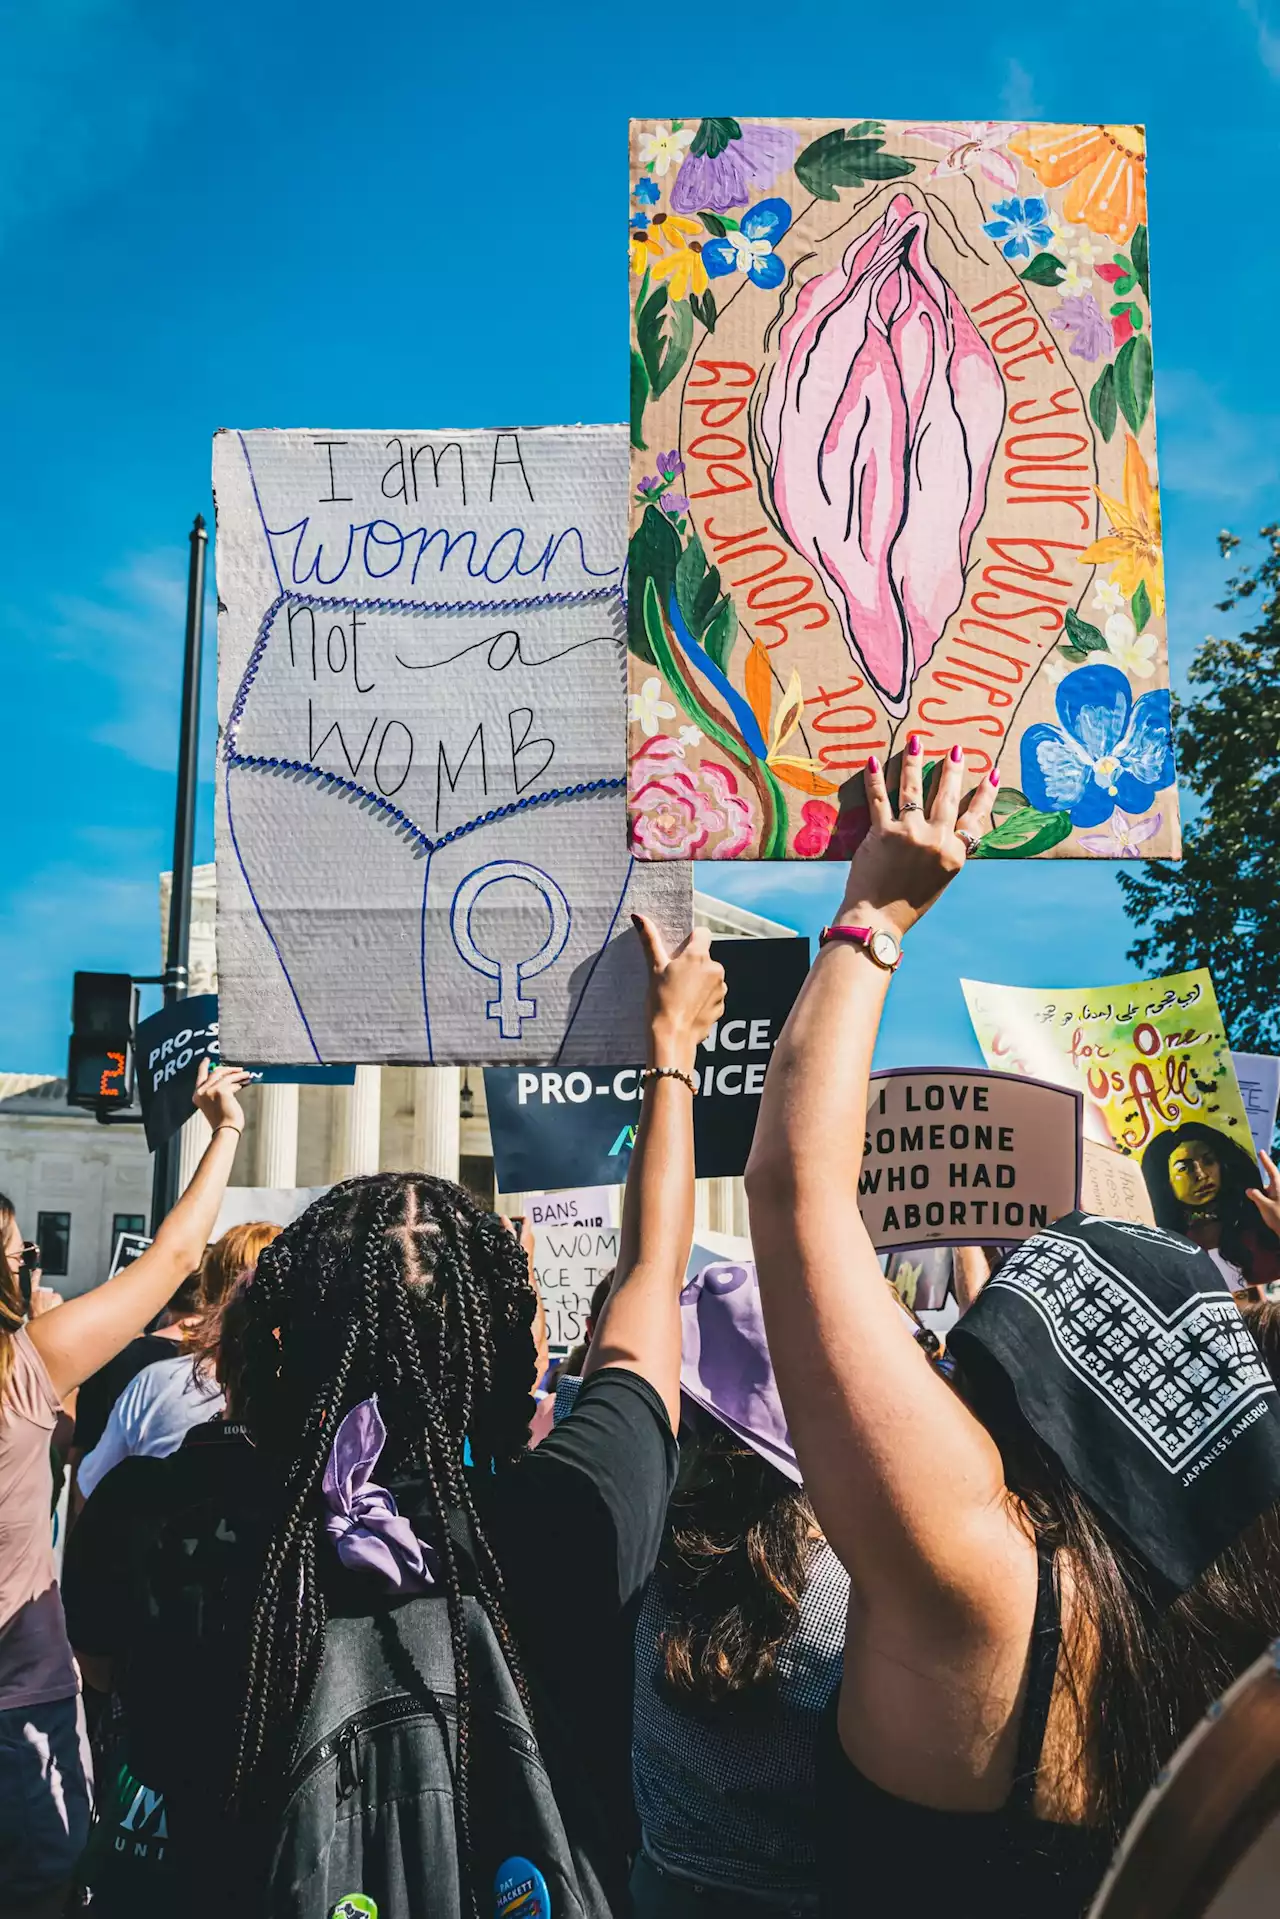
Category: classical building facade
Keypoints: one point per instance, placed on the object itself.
(60, 1165)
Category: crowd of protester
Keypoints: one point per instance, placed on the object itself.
(786, 1610)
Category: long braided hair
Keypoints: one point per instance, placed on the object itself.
(396, 1284)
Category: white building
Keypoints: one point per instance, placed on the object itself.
(71, 1178)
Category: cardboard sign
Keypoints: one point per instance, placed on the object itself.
(1112, 1187)
(421, 829)
(128, 1247)
(921, 1277)
(554, 1129)
(575, 1243)
(955, 1157)
(1259, 1079)
(893, 470)
(170, 1047)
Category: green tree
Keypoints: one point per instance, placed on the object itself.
(1218, 908)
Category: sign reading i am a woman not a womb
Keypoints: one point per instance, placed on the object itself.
(421, 827)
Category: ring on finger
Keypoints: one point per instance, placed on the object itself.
(967, 840)
(909, 806)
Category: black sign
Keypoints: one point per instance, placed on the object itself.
(129, 1246)
(556, 1127)
(171, 1045)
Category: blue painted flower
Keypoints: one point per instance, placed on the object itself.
(648, 192)
(749, 250)
(1109, 750)
(1020, 225)
(640, 220)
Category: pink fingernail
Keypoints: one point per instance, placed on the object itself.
(873, 764)
(913, 744)
(956, 756)
(994, 776)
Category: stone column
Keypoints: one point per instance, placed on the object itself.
(357, 1138)
(192, 1140)
(720, 1205)
(741, 1217)
(702, 1202)
(437, 1123)
(276, 1158)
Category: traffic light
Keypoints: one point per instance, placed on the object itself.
(104, 1014)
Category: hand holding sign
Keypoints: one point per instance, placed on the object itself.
(215, 1095)
(686, 994)
(904, 863)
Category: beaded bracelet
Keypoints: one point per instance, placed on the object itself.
(651, 1073)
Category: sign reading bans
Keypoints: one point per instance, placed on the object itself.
(557, 1128)
(575, 1243)
(958, 1157)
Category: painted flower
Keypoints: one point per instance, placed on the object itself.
(639, 220)
(669, 464)
(826, 834)
(665, 146)
(973, 146)
(647, 192)
(681, 266)
(689, 736)
(1054, 668)
(1020, 226)
(1108, 598)
(1086, 326)
(1134, 652)
(646, 248)
(647, 709)
(1103, 168)
(1122, 327)
(718, 176)
(674, 503)
(750, 249)
(1132, 548)
(677, 812)
(1123, 836)
(1084, 251)
(1107, 751)
(1073, 280)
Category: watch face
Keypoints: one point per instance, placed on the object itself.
(884, 949)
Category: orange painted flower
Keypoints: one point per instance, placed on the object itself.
(1103, 167)
(1132, 548)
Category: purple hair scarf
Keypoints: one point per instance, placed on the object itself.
(368, 1531)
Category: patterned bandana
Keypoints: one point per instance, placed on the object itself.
(1131, 1362)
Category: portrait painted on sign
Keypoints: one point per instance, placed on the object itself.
(893, 471)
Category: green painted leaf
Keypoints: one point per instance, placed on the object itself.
(1044, 271)
(649, 330)
(691, 571)
(704, 308)
(1102, 401)
(1133, 379)
(1076, 654)
(846, 159)
(1083, 635)
(639, 399)
(1140, 257)
(1140, 606)
(1126, 283)
(714, 224)
(721, 636)
(1008, 800)
(653, 555)
(713, 136)
(706, 602)
(865, 128)
(676, 349)
(1023, 834)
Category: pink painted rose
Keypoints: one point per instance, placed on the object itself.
(878, 427)
(825, 834)
(678, 810)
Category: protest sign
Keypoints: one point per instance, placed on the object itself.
(575, 1243)
(559, 1129)
(921, 1277)
(241, 1205)
(958, 1157)
(421, 821)
(1112, 1187)
(893, 471)
(1152, 1062)
(171, 1044)
(128, 1247)
(1259, 1079)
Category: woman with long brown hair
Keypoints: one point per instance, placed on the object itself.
(1056, 1566)
(44, 1799)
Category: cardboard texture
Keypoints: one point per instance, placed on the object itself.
(1259, 1077)
(575, 1243)
(1112, 1187)
(421, 831)
(893, 470)
(955, 1157)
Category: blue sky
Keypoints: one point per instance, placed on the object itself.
(287, 215)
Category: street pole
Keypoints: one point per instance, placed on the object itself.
(164, 1185)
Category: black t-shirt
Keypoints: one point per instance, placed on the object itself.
(101, 1390)
(161, 1571)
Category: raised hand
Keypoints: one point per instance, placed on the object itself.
(215, 1094)
(1267, 1200)
(686, 993)
(907, 860)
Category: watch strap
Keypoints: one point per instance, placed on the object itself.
(862, 936)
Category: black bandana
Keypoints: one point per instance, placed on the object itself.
(1131, 1362)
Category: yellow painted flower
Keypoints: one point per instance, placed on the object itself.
(683, 270)
(1132, 548)
(645, 249)
(1103, 167)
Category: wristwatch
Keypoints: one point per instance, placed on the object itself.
(880, 947)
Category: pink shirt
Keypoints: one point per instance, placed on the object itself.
(35, 1658)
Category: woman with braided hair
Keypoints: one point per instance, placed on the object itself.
(397, 1293)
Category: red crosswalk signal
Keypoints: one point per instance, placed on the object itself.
(104, 1015)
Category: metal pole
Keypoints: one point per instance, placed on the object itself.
(164, 1186)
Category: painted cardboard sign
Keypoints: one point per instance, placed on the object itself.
(420, 823)
(957, 1157)
(893, 470)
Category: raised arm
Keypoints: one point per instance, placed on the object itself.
(75, 1339)
(639, 1325)
(905, 1482)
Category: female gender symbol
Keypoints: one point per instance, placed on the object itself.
(509, 1009)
